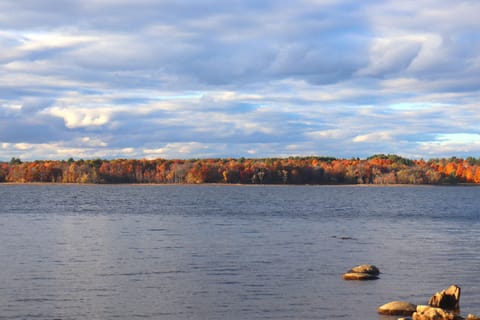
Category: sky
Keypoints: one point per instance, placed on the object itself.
(205, 78)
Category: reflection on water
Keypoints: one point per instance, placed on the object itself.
(213, 252)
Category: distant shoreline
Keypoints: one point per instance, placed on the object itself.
(399, 185)
(375, 170)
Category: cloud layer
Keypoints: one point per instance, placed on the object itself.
(207, 78)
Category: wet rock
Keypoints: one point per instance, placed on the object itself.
(434, 313)
(397, 308)
(446, 299)
(472, 317)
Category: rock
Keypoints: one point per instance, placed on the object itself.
(434, 313)
(362, 272)
(397, 308)
(358, 276)
(405, 318)
(365, 268)
(446, 299)
(472, 317)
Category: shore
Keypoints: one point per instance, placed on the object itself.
(237, 184)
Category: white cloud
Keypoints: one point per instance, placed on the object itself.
(81, 117)
(13, 107)
(327, 134)
(453, 144)
(374, 137)
(48, 40)
(23, 146)
(177, 150)
(18, 45)
(460, 138)
(128, 151)
(87, 141)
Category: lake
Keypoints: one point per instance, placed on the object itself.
(232, 252)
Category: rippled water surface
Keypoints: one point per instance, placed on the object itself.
(231, 252)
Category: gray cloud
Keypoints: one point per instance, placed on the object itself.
(238, 78)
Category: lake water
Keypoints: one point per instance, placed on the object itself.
(232, 252)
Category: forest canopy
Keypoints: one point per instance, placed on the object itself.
(377, 169)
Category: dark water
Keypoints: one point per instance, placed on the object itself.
(231, 252)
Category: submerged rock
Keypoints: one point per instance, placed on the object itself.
(397, 308)
(446, 299)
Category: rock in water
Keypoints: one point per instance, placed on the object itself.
(362, 272)
(434, 313)
(397, 308)
(446, 299)
(359, 276)
(365, 268)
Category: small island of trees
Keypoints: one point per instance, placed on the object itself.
(377, 169)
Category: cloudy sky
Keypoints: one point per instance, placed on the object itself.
(252, 78)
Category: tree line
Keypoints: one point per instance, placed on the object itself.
(377, 169)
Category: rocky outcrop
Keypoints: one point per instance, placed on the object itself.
(444, 305)
(362, 272)
(446, 299)
(397, 308)
(424, 312)
(434, 313)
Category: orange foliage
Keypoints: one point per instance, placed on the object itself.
(380, 169)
